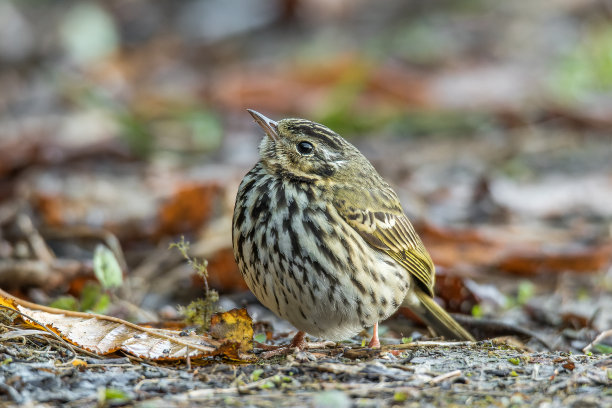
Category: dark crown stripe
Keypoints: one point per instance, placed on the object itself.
(318, 132)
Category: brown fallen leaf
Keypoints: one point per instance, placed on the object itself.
(453, 290)
(455, 248)
(223, 273)
(530, 263)
(188, 208)
(233, 326)
(106, 334)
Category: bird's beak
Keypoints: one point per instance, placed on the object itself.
(268, 125)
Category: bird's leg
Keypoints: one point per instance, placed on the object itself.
(298, 343)
(374, 343)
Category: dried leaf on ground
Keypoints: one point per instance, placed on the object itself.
(233, 326)
(452, 288)
(188, 208)
(529, 263)
(502, 249)
(105, 334)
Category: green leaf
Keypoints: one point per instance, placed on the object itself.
(526, 291)
(260, 338)
(406, 340)
(137, 134)
(102, 304)
(256, 374)
(106, 268)
(267, 385)
(513, 373)
(587, 69)
(88, 32)
(65, 303)
(514, 360)
(477, 311)
(115, 395)
(603, 348)
(399, 397)
(89, 296)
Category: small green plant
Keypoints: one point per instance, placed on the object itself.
(477, 311)
(200, 310)
(106, 268)
(603, 348)
(525, 291)
(400, 396)
(111, 396)
(256, 374)
(587, 69)
(96, 296)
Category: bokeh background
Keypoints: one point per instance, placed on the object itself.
(124, 122)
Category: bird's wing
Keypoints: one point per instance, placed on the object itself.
(378, 217)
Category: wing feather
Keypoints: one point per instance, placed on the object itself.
(387, 228)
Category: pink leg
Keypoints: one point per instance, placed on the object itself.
(374, 343)
(298, 343)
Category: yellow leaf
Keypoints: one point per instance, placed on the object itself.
(79, 363)
(233, 326)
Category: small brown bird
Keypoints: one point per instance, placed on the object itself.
(322, 240)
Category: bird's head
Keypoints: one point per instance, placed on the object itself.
(307, 151)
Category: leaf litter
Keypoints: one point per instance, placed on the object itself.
(514, 192)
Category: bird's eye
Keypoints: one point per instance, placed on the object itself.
(305, 148)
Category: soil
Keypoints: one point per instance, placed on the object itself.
(35, 373)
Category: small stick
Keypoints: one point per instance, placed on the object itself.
(444, 377)
(599, 338)
(417, 344)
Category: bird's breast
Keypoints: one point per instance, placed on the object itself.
(304, 262)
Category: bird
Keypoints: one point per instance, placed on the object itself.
(322, 241)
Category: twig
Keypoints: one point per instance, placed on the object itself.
(188, 360)
(599, 338)
(206, 392)
(15, 396)
(445, 377)
(37, 243)
(417, 344)
(86, 232)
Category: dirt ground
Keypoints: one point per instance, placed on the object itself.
(483, 374)
(123, 124)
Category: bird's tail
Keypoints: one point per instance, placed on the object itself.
(438, 319)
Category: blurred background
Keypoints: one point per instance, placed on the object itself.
(123, 122)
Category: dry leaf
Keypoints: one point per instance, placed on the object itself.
(457, 296)
(453, 248)
(105, 334)
(529, 263)
(234, 326)
(188, 208)
(223, 273)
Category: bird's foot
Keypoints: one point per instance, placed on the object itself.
(297, 344)
(374, 343)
